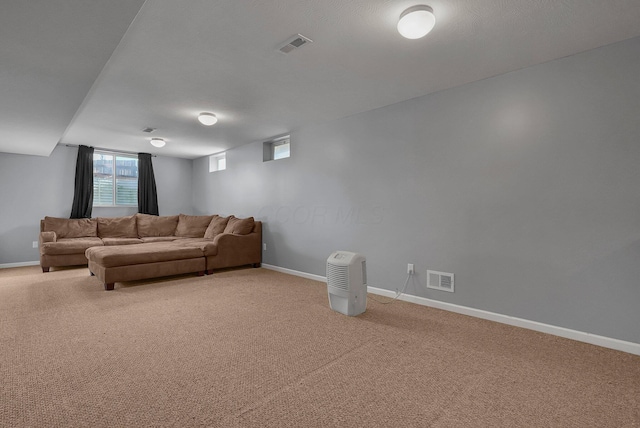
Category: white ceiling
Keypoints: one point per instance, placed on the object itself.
(78, 72)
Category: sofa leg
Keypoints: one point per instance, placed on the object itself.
(45, 269)
(108, 286)
(201, 273)
(256, 265)
(209, 271)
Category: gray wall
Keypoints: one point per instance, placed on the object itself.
(32, 187)
(526, 186)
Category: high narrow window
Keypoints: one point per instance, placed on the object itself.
(218, 162)
(115, 179)
(279, 148)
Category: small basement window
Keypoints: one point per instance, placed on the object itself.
(278, 148)
(218, 162)
(115, 179)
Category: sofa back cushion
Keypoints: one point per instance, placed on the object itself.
(117, 227)
(216, 227)
(71, 227)
(239, 226)
(192, 226)
(153, 225)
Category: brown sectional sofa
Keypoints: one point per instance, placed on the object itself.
(144, 246)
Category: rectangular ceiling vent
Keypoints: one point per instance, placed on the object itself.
(440, 280)
(294, 43)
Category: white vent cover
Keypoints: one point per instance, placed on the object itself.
(294, 43)
(440, 280)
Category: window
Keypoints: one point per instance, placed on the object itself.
(218, 162)
(281, 151)
(115, 179)
(279, 148)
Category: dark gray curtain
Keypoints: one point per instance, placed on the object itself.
(147, 196)
(83, 190)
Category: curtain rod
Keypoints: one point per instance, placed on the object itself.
(100, 149)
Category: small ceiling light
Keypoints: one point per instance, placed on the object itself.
(207, 119)
(157, 142)
(416, 22)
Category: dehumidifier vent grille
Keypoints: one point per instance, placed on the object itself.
(364, 271)
(338, 276)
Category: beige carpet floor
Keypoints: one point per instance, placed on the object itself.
(257, 348)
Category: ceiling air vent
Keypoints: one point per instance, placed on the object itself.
(148, 130)
(294, 43)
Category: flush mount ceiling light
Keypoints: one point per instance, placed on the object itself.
(207, 119)
(416, 22)
(158, 142)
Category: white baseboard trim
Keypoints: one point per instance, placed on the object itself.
(295, 272)
(20, 264)
(594, 339)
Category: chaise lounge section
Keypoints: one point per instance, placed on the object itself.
(152, 260)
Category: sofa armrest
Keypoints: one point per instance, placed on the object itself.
(43, 238)
(230, 240)
(254, 237)
(236, 250)
(47, 237)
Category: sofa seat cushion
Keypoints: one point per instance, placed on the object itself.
(207, 246)
(117, 227)
(153, 225)
(71, 227)
(128, 255)
(159, 238)
(121, 241)
(66, 246)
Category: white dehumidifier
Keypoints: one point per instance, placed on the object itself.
(347, 282)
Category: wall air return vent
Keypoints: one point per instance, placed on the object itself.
(440, 280)
(294, 43)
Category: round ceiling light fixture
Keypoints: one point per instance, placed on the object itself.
(158, 142)
(416, 22)
(207, 119)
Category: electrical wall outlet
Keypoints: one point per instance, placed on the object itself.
(410, 268)
(35, 244)
(264, 247)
